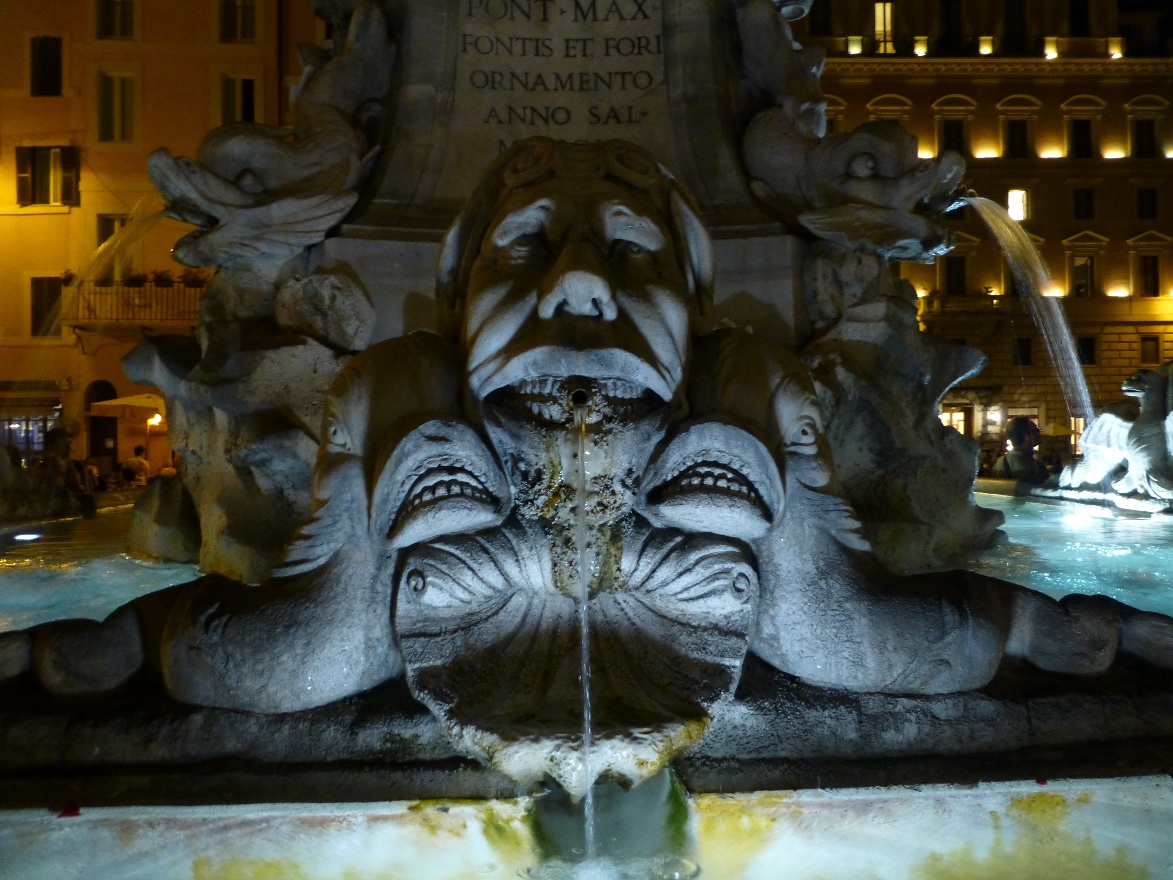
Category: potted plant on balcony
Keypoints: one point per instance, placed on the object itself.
(162, 278)
(192, 278)
(135, 279)
(67, 277)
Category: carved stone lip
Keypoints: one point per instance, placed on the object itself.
(558, 362)
(716, 478)
(550, 399)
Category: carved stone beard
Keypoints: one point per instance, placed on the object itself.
(532, 428)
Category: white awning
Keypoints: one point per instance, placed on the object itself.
(136, 406)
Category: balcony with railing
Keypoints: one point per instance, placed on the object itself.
(112, 305)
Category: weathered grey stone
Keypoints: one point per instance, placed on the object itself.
(330, 307)
(82, 657)
(165, 524)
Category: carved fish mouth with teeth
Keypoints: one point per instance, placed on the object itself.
(551, 400)
(710, 476)
(443, 482)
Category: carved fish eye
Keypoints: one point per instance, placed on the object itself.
(802, 436)
(863, 165)
(337, 436)
(740, 583)
(416, 581)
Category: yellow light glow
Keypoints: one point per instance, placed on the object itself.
(156, 419)
(854, 45)
(920, 46)
(921, 293)
(1169, 154)
(1118, 292)
(1052, 55)
(986, 154)
(995, 416)
(985, 45)
(994, 291)
(1116, 47)
(1055, 291)
(1051, 154)
(1117, 54)
(924, 153)
(1113, 154)
(1051, 48)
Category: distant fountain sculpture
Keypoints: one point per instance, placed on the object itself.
(581, 481)
(1129, 456)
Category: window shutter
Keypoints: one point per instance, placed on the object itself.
(70, 175)
(24, 175)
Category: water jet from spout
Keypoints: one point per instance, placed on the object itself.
(579, 400)
(1031, 276)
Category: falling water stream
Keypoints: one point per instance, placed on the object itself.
(579, 401)
(103, 260)
(1033, 280)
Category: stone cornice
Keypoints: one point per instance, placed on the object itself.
(987, 66)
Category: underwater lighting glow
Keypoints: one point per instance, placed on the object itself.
(27, 536)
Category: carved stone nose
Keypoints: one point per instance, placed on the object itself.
(576, 286)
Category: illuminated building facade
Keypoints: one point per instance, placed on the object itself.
(88, 88)
(1062, 108)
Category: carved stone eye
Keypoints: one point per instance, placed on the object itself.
(522, 251)
(863, 165)
(416, 582)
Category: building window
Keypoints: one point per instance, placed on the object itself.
(1081, 140)
(819, 20)
(1147, 206)
(950, 38)
(238, 21)
(1021, 352)
(1083, 275)
(1016, 142)
(45, 67)
(238, 99)
(1148, 275)
(955, 276)
(1085, 349)
(953, 136)
(1079, 19)
(1014, 30)
(115, 19)
(1150, 349)
(884, 40)
(46, 306)
(1018, 204)
(1144, 139)
(1083, 203)
(115, 107)
(47, 176)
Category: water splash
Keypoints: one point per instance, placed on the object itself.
(579, 402)
(1031, 276)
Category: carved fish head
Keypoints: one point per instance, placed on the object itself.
(714, 478)
(438, 480)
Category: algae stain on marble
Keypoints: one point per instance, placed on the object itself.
(1041, 846)
(204, 868)
(732, 831)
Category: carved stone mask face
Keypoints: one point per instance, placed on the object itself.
(577, 278)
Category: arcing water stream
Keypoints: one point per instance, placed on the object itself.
(1031, 276)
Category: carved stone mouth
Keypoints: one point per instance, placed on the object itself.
(551, 400)
(441, 483)
(710, 476)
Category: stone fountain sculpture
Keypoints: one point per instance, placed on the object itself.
(1130, 456)
(441, 543)
(737, 496)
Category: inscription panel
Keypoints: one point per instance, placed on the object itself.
(579, 70)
